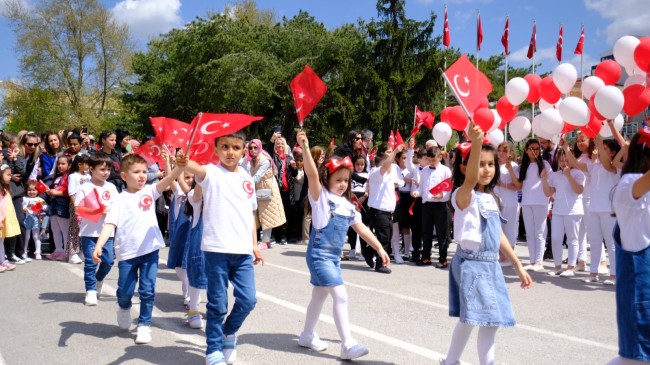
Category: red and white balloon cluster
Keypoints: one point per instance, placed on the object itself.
(454, 118)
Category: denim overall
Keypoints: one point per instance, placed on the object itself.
(632, 301)
(477, 289)
(194, 259)
(178, 233)
(324, 250)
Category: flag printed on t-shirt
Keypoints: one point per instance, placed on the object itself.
(444, 185)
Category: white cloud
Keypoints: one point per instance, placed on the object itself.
(148, 18)
(627, 17)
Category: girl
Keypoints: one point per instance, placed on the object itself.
(108, 141)
(567, 184)
(74, 146)
(179, 228)
(401, 216)
(631, 199)
(48, 156)
(584, 151)
(534, 203)
(360, 191)
(193, 256)
(9, 226)
(78, 177)
(506, 190)
(60, 208)
(477, 290)
(34, 208)
(332, 214)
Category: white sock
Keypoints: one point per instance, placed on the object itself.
(408, 245)
(341, 316)
(2, 250)
(318, 296)
(182, 276)
(459, 340)
(195, 299)
(485, 345)
(395, 239)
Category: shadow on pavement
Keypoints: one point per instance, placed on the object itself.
(573, 283)
(185, 353)
(170, 303)
(99, 330)
(74, 297)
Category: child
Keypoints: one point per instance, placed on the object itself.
(9, 226)
(359, 187)
(631, 199)
(506, 190)
(132, 219)
(78, 177)
(100, 169)
(567, 184)
(402, 219)
(60, 208)
(229, 242)
(332, 214)
(477, 290)
(34, 207)
(194, 257)
(416, 155)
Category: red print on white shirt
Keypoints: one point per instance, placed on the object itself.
(248, 187)
(146, 201)
(106, 195)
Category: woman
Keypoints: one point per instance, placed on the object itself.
(122, 139)
(351, 147)
(108, 141)
(50, 153)
(506, 189)
(270, 212)
(75, 144)
(14, 245)
(287, 171)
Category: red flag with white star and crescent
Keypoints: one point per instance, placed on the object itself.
(307, 89)
(558, 47)
(446, 37)
(581, 42)
(532, 47)
(470, 85)
(505, 38)
(171, 132)
(151, 152)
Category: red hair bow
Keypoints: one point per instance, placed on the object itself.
(645, 136)
(333, 165)
(464, 148)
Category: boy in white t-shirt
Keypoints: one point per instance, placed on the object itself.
(229, 243)
(132, 218)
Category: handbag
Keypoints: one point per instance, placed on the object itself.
(263, 194)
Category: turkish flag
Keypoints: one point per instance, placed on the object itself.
(171, 131)
(332, 143)
(444, 185)
(202, 151)
(372, 154)
(398, 138)
(208, 126)
(424, 118)
(41, 187)
(36, 207)
(532, 47)
(505, 37)
(446, 37)
(151, 152)
(391, 140)
(470, 85)
(90, 207)
(558, 48)
(479, 32)
(581, 42)
(307, 89)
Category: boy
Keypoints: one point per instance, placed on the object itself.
(137, 241)
(229, 242)
(100, 169)
(419, 155)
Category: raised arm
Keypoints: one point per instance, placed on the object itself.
(464, 194)
(621, 155)
(311, 171)
(548, 190)
(182, 161)
(641, 186)
(571, 159)
(617, 135)
(167, 180)
(387, 164)
(605, 159)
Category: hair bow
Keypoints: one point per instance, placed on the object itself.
(333, 165)
(4, 167)
(645, 135)
(464, 148)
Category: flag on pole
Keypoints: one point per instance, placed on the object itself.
(398, 138)
(446, 37)
(307, 89)
(91, 207)
(505, 37)
(391, 140)
(581, 42)
(424, 118)
(444, 185)
(151, 152)
(558, 48)
(532, 47)
(470, 85)
(171, 132)
(479, 31)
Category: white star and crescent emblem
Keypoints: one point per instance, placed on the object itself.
(461, 92)
(205, 130)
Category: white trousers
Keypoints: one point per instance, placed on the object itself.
(600, 227)
(535, 222)
(60, 227)
(561, 224)
(510, 229)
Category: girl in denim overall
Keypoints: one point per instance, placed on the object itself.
(631, 202)
(193, 257)
(333, 213)
(477, 290)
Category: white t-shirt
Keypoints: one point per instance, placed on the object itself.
(107, 194)
(429, 178)
(229, 202)
(320, 209)
(532, 191)
(75, 181)
(134, 215)
(586, 193)
(567, 201)
(633, 215)
(467, 222)
(178, 201)
(602, 183)
(381, 189)
(508, 197)
(358, 187)
(196, 207)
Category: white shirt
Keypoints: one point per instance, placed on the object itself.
(75, 181)
(586, 193)
(381, 189)
(320, 209)
(107, 194)
(134, 216)
(358, 187)
(567, 201)
(229, 202)
(178, 200)
(633, 215)
(602, 183)
(429, 178)
(196, 207)
(532, 191)
(403, 173)
(467, 222)
(508, 197)
(29, 202)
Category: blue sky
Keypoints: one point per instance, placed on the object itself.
(604, 20)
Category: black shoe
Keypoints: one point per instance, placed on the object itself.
(436, 246)
(383, 269)
(368, 257)
(548, 255)
(442, 265)
(414, 259)
(423, 262)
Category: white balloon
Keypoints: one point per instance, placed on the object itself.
(552, 122)
(564, 77)
(606, 132)
(635, 79)
(609, 101)
(574, 111)
(624, 50)
(441, 132)
(517, 90)
(543, 105)
(519, 128)
(497, 121)
(591, 85)
(634, 70)
(537, 128)
(495, 137)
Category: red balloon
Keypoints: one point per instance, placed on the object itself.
(484, 118)
(485, 103)
(592, 108)
(506, 111)
(634, 102)
(548, 91)
(592, 128)
(534, 82)
(568, 128)
(609, 71)
(642, 54)
(444, 114)
(457, 118)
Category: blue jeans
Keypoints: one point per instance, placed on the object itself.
(147, 268)
(221, 268)
(93, 274)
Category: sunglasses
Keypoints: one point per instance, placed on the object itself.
(357, 138)
(31, 144)
(252, 147)
(533, 149)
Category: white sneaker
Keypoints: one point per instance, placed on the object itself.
(100, 286)
(352, 254)
(16, 260)
(230, 349)
(144, 335)
(398, 258)
(353, 352)
(312, 342)
(528, 267)
(609, 282)
(567, 274)
(603, 270)
(124, 318)
(75, 259)
(91, 297)
(555, 272)
(591, 279)
(26, 258)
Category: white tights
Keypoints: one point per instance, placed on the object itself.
(60, 227)
(185, 287)
(623, 361)
(195, 299)
(340, 311)
(35, 233)
(485, 343)
(395, 242)
(2, 250)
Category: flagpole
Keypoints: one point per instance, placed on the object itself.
(445, 82)
(478, 16)
(533, 59)
(582, 74)
(189, 143)
(505, 129)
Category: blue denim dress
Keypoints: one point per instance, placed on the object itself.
(194, 258)
(177, 236)
(477, 289)
(632, 301)
(324, 250)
